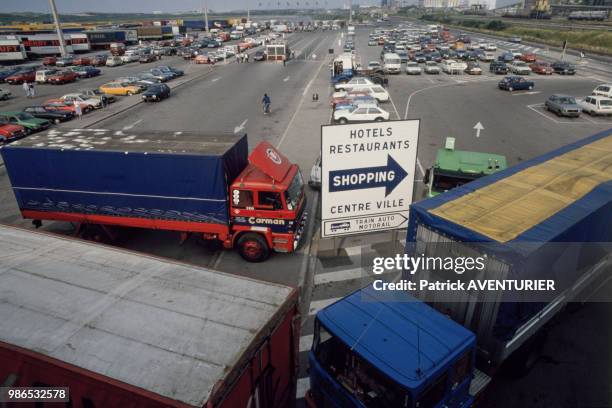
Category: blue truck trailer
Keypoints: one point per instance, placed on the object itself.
(548, 218)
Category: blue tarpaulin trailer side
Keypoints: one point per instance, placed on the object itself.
(547, 218)
(167, 177)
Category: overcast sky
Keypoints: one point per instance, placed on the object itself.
(148, 6)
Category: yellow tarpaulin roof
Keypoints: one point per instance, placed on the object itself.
(507, 208)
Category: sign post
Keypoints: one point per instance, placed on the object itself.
(367, 176)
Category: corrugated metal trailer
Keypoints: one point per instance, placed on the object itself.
(549, 218)
(122, 329)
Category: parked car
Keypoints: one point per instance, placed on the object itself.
(498, 68)
(563, 105)
(85, 71)
(29, 122)
(259, 56)
(563, 68)
(64, 61)
(53, 115)
(490, 47)
(515, 83)
(603, 90)
(360, 114)
(49, 61)
(596, 105)
(42, 75)
(63, 77)
(130, 57)
(5, 73)
(541, 68)
(146, 58)
(519, 67)
(473, 68)
(81, 61)
(528, 57)
(506, 57)
(57, 103)
(453, 67)
(515, 39)
(161, 75)
(419, 58)
(114, 61)
(96, 93)
(486, 56)
(413, 68)
(156, 93)
(354, 83)
(120, 88)
(85, 101)
(10, 132)
(98, 60)
(4, 94)
(204, 59)
(21, 77)
(432, 68)
(171, 70)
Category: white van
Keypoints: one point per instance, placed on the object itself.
(42, 76)
(392, 63)
(601, 90)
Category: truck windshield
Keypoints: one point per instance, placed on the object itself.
(442, 182)
(357, 376)
(294, 192)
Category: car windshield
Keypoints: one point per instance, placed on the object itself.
(294, 191)
(567, 101)
(24, 116)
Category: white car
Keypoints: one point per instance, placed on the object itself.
(354, 84)
(515, 53)
(431, 67)
(360, 114)
(94, 103)
(519, 68)
(413, 68)
(130, 57)
(596, 105)
(601, 90)
(487, 56)
(114, 61)
(373, 65)
(375, 91)
(490, 47)
(43, 75)
(453, 67)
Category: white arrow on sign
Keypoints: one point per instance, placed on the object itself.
(241, 127)
(478, 128)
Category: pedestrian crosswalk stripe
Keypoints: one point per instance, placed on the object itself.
(305, 342)
(317, 305)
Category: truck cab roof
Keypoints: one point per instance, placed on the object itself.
(402, 337)
(476, 163)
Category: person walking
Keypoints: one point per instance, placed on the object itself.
(26, 89)
(32, 90)
(78, 111)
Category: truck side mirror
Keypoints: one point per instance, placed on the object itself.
(426, 176)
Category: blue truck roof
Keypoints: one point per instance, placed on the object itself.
(404, 338)
(562, 196)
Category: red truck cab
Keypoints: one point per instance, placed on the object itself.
(267, 203)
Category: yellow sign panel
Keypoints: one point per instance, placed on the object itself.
(507, 208)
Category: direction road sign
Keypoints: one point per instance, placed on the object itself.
(367, 176)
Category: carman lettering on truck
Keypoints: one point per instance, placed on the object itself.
(125, 329)
(546, 218)
(177, 181)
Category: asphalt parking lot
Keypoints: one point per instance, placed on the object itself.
(225, 99)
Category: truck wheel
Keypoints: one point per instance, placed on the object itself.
(253, 247)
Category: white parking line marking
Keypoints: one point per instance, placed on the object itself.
(240, 127)
(215, 79)
(525, 93)
(306, 342)
(286, 79)
(303, 385)
(317, 305)
(337, 276)
(420, 167)
(128, 127)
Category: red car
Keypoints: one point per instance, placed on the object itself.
(21, 76)
(528, 57)
(82, 61)
(542, 68)
(203, 59)
(58, 104)
(48, 61)
(10, 132)
(63, 77)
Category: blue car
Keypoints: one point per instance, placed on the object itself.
(515, 83)
(506, 57)
(85, 71)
